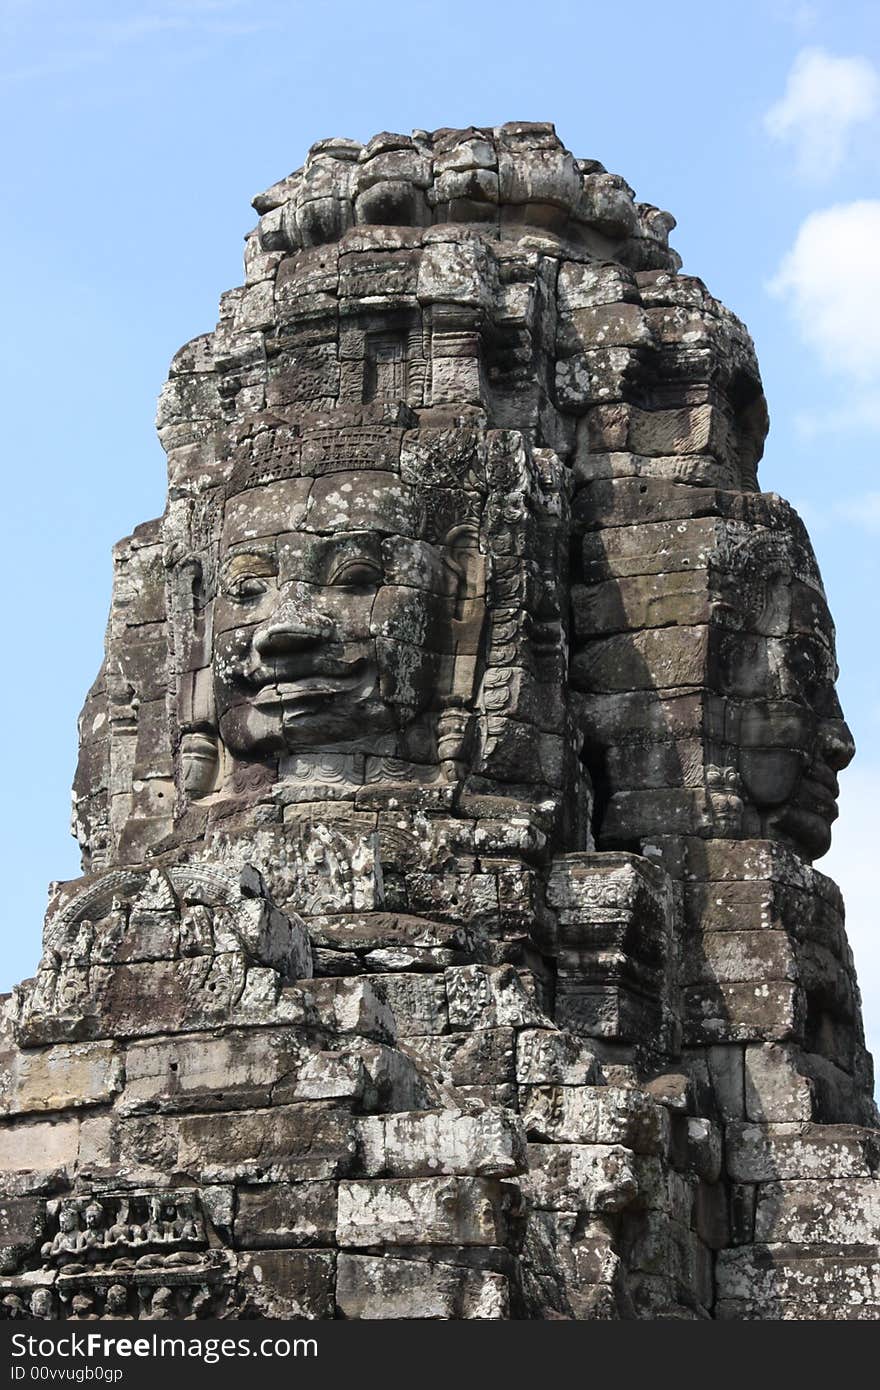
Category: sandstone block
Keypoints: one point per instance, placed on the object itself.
(286, 1284)
(545, 1056)
(40, 1146)
(580, 1177)
(306, 1141)
(802, 1211)
(770, 1152)
(425, 1211)
(285, 1214)
(487, 1053)
(355, 1006)
(60, 1077)
(775, 1090)
(204, 1071)
(373, 1287)
(595, 1115)
(417, 1003)
(805, 1277)
(494, 995)
(490, 1144)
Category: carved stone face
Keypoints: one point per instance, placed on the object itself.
(41, 1303)
(332, 626)
(94, 1217)
(117, 1299)
(791, 732)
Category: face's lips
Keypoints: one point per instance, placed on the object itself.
(818, 791)
(294, 671)
(808, 829)
(818, 797)
(823, 776)
(311, 690)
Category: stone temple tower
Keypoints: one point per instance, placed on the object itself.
(448, 943)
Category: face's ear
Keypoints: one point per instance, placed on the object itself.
(468, 566)
(195, 716)
(187, 604)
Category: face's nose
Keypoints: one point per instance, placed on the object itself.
(293, 627)
(836, 743)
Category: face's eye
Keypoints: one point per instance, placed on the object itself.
(357, 574)
(245, 587)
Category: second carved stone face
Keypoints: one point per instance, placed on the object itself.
(334, 615)
(793, 740)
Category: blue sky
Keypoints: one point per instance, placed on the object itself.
(136, 134)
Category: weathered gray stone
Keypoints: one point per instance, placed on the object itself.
(548, 1057)
(580, 1177)
(769, 1152)
(286, 1283)
(811, 1210)
(304, 1142)
(22, 1222)
(595, 1115)
(425, 1211)
(208, 1072)
(286, 1214)
(765, 1273)
(60, 1078)
(495, 996)
(370, 1287)
(774, 1089)
(489, 1144)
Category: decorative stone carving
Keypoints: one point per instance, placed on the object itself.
(114, 1227)
(193, 934)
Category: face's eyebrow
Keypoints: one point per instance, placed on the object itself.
(349, 540)
(261, 545)
(328, 549)
(250, 560)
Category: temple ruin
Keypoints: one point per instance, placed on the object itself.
(448, 943)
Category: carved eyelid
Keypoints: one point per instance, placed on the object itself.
(352, 562)
(235, 587)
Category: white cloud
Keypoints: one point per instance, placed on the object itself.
(852, 863)
(831, 281)
(825, 97)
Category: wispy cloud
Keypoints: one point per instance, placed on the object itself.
(801, 14)
(196, 16)
(91, 43)
(830, 281)
(825, 99)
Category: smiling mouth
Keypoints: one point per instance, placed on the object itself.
(305, 696)
(818, 797)
(823, 776)
(821, 784)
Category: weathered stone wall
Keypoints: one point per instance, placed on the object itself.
(449, 943)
